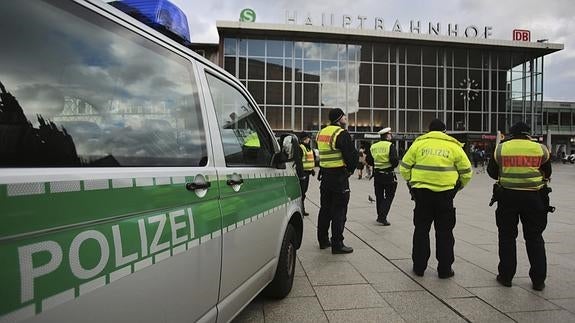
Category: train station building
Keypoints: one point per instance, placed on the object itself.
(399, 75)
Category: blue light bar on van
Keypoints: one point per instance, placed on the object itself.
(158, 14)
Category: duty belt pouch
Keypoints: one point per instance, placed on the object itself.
(544, 193)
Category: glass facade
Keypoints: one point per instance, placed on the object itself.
(383, 84)
(559, 127)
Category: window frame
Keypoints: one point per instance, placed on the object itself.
(207, 95)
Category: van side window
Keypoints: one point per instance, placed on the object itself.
(244, 137)
(78, 90)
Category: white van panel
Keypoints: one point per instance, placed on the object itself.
(170, 291)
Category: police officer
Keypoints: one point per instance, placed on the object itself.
(383, 157)
(337, 160)
(435, 167)
(304, 166)
(521, 167)
(251, 146)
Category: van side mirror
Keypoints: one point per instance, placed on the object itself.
(289, 143)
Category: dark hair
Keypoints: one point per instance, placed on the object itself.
(436, 125)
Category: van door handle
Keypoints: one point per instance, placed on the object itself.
(197, 186)
(235, 181)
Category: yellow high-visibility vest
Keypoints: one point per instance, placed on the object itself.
(435, 161)
(519, 161)
(252, 140)
(307, 158)
(380, 153)
(329, 156)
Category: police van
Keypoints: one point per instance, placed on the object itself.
(138, 181)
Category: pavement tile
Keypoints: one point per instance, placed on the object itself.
(351, 240)
(470, 275)
(253, 313)
(554, 288)
(420, 306)
(298, 269)
(369, 261)
(334, 273)
(364, 315)
(349, 297)
(514, 299)
(390, 250)
(312, 259)
(391, 282)
(444, 288)
(543, 316)
(566, 303)
(477, 310)
(294, 309)
(301, 287)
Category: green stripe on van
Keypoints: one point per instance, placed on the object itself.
(86, 247)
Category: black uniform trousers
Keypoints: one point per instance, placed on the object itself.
(527, 206)
(385, 185)
(334, 191)
(304, 185)
(436, 208)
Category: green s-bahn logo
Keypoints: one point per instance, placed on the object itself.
(248, 15)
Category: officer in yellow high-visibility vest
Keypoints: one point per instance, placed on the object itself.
(305, 163)
(522, 168)
(435, 167)
(337, 160)
(251, 146)
(383, 157)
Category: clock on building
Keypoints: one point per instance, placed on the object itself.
(469, 89)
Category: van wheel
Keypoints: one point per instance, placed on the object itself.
(283, 280)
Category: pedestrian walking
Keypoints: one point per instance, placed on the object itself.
(338, 160)
(304, 166)
(361, 162)
(435, 167)
(522, 168)
(383, 157)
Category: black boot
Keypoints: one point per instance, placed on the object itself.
(342, 249)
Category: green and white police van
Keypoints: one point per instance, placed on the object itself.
(138, 181)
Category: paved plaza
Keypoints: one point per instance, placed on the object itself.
(375, 283)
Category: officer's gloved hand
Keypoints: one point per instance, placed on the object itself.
(313, 172)
(458, 186)
(319, 175)
(410, 191)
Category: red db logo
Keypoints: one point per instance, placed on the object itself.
(521, 35)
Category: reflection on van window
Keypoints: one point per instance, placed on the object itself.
(79, 90)
(244, 137)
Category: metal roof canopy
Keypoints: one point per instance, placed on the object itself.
(521, 51)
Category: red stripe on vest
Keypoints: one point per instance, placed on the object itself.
(521, 161)
(324, 138)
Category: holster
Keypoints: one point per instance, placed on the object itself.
(544, 192)
(496, 193)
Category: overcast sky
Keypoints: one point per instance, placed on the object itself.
(551, 19)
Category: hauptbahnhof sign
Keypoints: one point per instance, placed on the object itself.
(378, 23)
